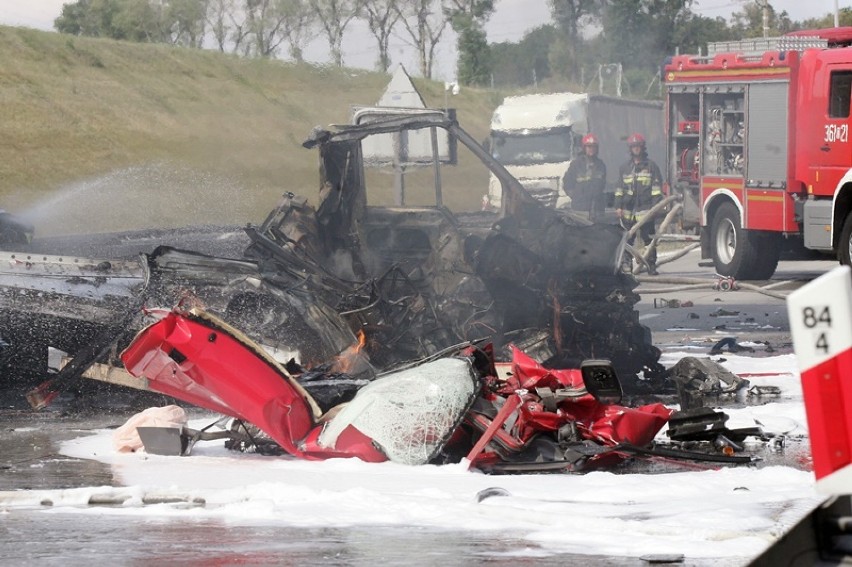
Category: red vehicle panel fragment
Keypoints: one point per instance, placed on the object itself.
(188, 359)
(607, 424)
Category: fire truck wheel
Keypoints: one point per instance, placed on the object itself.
(768, 246)
(738, 253)
(844, 246)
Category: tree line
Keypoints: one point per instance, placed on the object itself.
(588, 44)
(275, 28)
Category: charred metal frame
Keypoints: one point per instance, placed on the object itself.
(484, 276)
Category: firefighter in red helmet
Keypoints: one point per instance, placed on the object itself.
(638, 188)
(585, 180)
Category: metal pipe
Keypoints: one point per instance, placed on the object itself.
(436, 161)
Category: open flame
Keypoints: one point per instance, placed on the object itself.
(352, 360)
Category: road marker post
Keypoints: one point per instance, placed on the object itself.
(821, 324)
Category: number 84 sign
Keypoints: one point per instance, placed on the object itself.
(820, 318)
(821, 323)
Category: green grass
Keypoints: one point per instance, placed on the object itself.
(99, 135)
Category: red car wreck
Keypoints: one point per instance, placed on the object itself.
(440, 411)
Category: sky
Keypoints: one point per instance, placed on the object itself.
(668, 513)
(511, 20)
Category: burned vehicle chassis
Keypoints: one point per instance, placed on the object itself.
(529, 275)
(412, 281)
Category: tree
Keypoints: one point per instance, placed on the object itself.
(468, 18)
(474, 55)
(271, 22)
(185, 21)
(334, 16)
(694, 33)
(626, 27)
(382, 16)
(570, 17)
(299, 19)
(240, 30)
(639, 33)
(827, 21)
(88, 17)
(138, 20)
(132, 20)
(749, 22)
(72, 19)
(669, 16)
(425, 22)
(526, 62)
(227, 22)
(216, 17)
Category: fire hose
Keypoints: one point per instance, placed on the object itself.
(687, 284)
(642, 258)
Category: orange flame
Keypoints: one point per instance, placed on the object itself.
(351, 359)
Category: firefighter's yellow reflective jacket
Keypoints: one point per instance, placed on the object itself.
(638, 188)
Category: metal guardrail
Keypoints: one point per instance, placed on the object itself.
(74, 288)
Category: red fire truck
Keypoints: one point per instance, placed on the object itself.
(759, 147)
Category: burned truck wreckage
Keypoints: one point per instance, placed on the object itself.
(327, 300)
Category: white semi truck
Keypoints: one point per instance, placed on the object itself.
(536, 136)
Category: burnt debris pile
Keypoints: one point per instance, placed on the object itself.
(408, 283)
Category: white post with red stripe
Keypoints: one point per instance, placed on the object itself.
(821, 323)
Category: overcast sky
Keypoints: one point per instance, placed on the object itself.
(512, 19)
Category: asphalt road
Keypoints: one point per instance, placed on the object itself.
(679, 314)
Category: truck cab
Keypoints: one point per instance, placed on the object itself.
(535, 137)
(823, 152)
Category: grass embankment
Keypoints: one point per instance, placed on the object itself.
(99, 135)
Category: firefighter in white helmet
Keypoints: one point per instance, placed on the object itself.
(585, 180)
(638, 188)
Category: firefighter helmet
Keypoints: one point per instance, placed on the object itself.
(590, 140)
(636, 140)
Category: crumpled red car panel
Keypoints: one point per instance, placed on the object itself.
(190, 361)
(607, 424)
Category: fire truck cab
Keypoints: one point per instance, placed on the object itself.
(759, 147)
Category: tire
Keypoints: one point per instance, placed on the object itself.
(844, 246)
(768, 246)
(739, 253)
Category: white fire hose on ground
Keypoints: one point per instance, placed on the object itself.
(642, 258)
(689, 284)
(682, 283)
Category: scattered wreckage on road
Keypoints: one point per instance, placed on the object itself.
(327, 299)
(455, 408)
